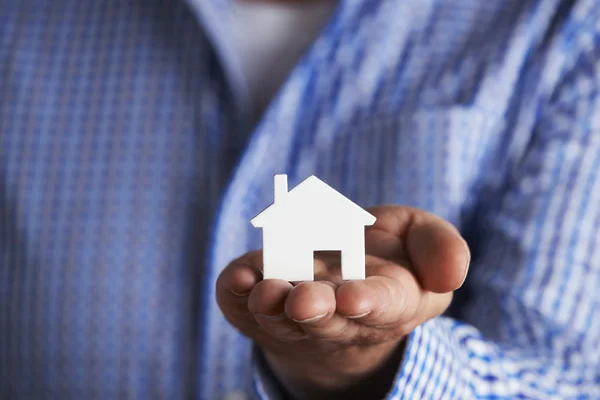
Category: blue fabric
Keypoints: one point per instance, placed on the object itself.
(128, 177)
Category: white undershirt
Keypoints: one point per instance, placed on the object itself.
(269, 38)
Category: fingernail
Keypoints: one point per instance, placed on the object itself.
(240, 294)
(358, 316)
(311, 319)
(465, 277)
(468, 264)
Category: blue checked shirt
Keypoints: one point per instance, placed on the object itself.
(129, 174)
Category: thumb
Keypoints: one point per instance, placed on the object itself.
(435, 250)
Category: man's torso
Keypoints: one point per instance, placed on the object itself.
(120, 141)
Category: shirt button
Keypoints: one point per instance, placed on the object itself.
(235, 396)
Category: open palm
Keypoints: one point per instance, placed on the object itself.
(329, 332)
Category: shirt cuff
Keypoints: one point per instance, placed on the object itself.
(433, 366)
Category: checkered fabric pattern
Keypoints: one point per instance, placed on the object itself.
(128, 176)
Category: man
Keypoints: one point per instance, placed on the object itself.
(137, 140)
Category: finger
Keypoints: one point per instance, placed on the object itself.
(380, 300)
(242, 274)
(233, 288)
(434, 249)
(386, 237)
(389, 296)
(312, 306)
(431, 306)
(439, 255)
(267, 303)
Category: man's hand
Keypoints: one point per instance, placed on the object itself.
(331, 337)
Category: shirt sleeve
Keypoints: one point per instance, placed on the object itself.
(531, 326)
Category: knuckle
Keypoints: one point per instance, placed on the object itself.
(398, 299)
(344, 335)
(282, 330)
(400, 305)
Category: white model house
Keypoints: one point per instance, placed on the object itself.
(311, 217)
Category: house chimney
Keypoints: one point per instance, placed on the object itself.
(281, 188)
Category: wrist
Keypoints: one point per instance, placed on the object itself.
(368, 371)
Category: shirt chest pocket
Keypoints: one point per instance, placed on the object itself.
(430, 158)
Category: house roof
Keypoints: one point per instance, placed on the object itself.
(313, 196)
